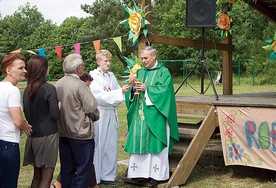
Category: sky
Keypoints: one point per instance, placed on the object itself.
(55, 10)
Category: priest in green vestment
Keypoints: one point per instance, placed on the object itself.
(152, 120)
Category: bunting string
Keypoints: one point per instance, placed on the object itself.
(77, 47)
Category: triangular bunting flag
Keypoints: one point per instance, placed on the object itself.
(118, 41)
(77, 48)
(41, 52)
(16, 51)
(31, 52)
(97, 45)
(58, 51)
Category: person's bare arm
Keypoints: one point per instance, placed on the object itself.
(19, 121)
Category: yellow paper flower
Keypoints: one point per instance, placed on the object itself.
(134, 69)
(133, 65)
(224, 22)
(134, 22)
(273, 46)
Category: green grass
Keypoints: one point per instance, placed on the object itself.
(209, 172)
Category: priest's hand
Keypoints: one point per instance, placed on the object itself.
(139, 86)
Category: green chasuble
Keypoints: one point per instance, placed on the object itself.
(147, 124)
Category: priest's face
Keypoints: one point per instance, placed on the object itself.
(148, 59)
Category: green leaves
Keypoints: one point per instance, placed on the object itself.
(136, 23)
(271, 46)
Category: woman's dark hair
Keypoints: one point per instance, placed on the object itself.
(37, 69)
(86, 77)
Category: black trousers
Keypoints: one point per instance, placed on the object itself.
(76, 158)
(92, 182)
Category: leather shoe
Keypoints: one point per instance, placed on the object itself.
(153, 182)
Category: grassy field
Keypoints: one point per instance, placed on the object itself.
(209, 172)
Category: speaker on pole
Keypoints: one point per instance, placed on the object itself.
(201, 13)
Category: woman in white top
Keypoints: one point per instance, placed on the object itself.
(11, 119)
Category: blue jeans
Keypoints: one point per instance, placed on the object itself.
(9, 164)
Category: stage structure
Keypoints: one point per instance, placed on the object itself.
(205, 108)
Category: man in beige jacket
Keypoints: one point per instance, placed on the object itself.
(76, 124)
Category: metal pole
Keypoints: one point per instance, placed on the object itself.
(202, 63)
(239, 71)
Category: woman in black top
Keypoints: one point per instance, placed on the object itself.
(41, 109)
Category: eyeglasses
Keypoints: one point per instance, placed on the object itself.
(82, 65)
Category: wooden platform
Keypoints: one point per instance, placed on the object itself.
(194, 107)
(197, 122)
(266, 99)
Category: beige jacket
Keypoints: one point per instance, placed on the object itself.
(78, 108)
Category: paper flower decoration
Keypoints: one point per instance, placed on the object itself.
(133, 65)
(134, 69)
(136, 22)
(224, 18)
(271, 46)
(224, 24)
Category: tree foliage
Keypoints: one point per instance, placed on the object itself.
(18, 26)
(27, 29)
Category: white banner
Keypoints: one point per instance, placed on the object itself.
(248, 136)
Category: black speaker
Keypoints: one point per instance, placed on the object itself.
(201, 13)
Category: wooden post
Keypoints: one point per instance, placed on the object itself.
(227, 63)
(227, 71)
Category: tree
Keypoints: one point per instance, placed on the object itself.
(28, 29)
(173, 24)
(64, 35)
(104, 25)
(248, 27)
(40, 37)
(21, 24)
